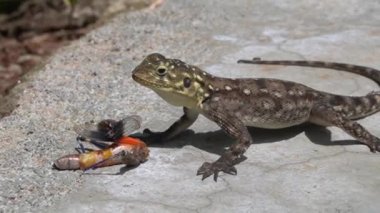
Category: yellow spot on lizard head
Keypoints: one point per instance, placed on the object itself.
(175, 81)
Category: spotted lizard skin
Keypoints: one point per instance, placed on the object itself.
(259, 102)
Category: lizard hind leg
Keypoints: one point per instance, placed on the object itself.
(323, 114)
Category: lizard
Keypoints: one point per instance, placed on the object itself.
(234, 104)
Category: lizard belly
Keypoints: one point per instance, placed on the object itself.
(270, 122)
(275, 118)
(270, 113)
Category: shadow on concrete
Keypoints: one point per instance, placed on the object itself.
(121, 171)
(7, 105)
(9, 100)
(216, 141)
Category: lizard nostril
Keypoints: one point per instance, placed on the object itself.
(186, 82)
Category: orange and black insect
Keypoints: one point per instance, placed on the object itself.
(116, 146)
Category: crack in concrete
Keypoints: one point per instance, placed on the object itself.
(107, 198)
(281, 48)
(304, 161)
(145, 202)
(228, 188)
(208, 197)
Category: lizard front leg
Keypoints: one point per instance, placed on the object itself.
(186, 120)
(323, 114)
(235, 128)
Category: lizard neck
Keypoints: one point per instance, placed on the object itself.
(200, 90)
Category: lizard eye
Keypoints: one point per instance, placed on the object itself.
(161, 71)
(186, 82)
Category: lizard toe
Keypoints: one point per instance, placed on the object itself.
(207, 169)
(377, 147)
(374, 146)
(230, 170)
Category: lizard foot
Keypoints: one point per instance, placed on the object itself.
(374, 147)
(207, 169)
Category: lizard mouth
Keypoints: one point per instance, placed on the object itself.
(147, 83)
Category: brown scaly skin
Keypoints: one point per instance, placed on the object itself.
(267, 103)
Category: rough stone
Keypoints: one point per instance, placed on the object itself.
(301, 169)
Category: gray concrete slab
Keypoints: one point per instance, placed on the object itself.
(291, 170)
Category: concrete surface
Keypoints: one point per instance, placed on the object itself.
(299, 169)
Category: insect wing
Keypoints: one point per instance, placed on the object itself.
(114, 130)
(108, 130)
(130, 124)
(89, 131)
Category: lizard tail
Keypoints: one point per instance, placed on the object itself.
(368, 72)
(353, 107)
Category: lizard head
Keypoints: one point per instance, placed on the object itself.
(176, 82)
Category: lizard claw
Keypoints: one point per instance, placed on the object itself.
(374, 147)
(207, 169)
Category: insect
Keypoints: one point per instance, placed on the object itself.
(122, 150)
